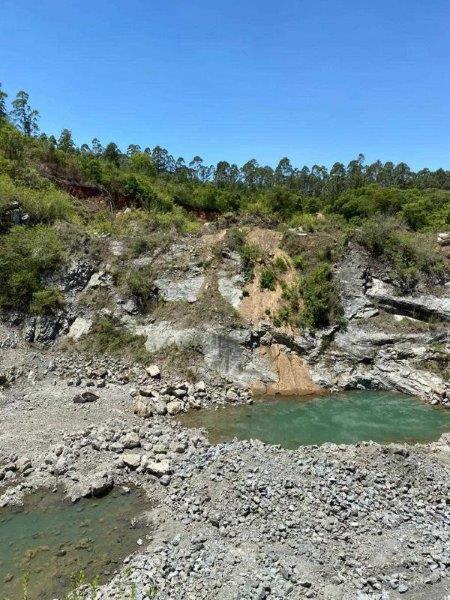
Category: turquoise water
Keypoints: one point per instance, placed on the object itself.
(344, 418)
(52, 540)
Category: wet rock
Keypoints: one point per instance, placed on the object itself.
(97, 485)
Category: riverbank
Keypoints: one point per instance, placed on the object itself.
(237, 520)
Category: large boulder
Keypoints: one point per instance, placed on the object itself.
(174, 407)
(154, 371)
(79, 327)
(99, 484)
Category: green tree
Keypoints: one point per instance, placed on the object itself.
(3, 111)
(23, 115)
(226, 174)
(133, 149)
(162, 160)
(112, 153)
(97, 148)
(284, 171)
(65, 141)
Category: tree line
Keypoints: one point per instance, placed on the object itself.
(318, 180)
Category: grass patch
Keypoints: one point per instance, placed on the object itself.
(109, 336)
(140, 284)
(27, 255)
(45, 204)
(184, 360)
(46, 301)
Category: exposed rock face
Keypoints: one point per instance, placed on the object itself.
(77, 276)
(160, 335)
(227, 354)
(421, 306)
(79, 327)
(353, 276)
(185, 289)
(231, 288)
(361, 358)
(46, 328)
(99, 280)
(13, 214)
(293, 374)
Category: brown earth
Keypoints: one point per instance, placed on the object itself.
(294, 378)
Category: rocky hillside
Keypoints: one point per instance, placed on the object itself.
(219, 304)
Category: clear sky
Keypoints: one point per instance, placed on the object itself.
(318, 81)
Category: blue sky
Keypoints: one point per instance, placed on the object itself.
(317, 81)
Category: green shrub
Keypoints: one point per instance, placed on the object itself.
(280, 264)
(268, 279)
(250, 254)
(298, 261)
(26, 256)
(177, 219)
(408, 255)
(141, 284)
(46, 301)
(305, 221)
(321, 305)
(140, 190)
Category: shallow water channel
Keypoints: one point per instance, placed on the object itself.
(343, 418)
(50, 540)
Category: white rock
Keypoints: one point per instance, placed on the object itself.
(154, 371)
(131, 460)
(159, 468)
(79, 327)
(174, 407)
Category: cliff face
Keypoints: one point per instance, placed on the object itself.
(203, 306)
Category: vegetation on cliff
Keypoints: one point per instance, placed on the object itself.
(387, 208)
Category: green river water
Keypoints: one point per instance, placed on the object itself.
(51, 540)
(343, 418)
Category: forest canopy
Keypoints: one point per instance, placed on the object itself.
(152, 179)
